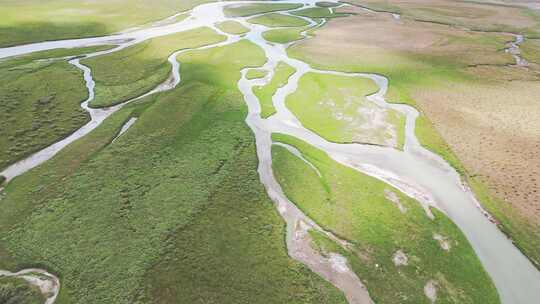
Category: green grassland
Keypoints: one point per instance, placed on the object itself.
(256, 74)
(133, 71)
(264, 93)
(319, 12)
(354, 206)
(232, 27)
(278, 20)
(331, 105)
(18, 291)
(245, 10)
(168, 210)
(327, 4)
(33, 21)
(285, 35)
(489, 17)
(530, 50)
(39, 101)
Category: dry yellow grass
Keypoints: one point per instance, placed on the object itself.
(495, 131)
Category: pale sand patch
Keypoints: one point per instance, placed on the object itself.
(392, 196)
(430, 290)
(400, 258)
(443, 241)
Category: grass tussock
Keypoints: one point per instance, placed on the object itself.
(278, 20)
(232, 27)
(285, 35)
(335, 107)
(40, 100)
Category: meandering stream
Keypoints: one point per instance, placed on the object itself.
(415, 171)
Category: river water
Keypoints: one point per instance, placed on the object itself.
(415, 171)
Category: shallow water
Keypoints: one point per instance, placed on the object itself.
(415, 171)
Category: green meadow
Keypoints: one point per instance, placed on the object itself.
(40, 96)
(264, 93)
(245, 10)
(135, 70)
(365, 212)
(278, 20)
(34, 21)
(165, 212)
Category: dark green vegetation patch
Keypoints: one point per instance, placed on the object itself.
(40, 96)
(173, 211)
(245, 10)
